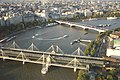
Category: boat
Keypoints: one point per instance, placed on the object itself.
(36, 34)
(9, 39)
(100, 25)
(104, 25)
(75, 41)
(33, 37)
(65, 36)
(72, 43)
(51, 24)
(90, 19)
(111, 18)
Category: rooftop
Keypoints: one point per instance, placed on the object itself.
(116, 33)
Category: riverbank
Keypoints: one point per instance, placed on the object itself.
(12, 30)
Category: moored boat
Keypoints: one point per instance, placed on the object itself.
(111, 18)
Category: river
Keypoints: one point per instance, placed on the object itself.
(43, 39)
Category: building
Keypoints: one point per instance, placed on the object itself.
(115, 51)
(44, 14)
(115, 35)
(87, 12)
(115, 46)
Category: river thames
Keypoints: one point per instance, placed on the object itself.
(43, 39)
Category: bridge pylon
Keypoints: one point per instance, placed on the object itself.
(33, 47)
(50, 49)
(22, 55)
(3, 55)
(59, 50)
(74, 63)
(54, 49)
(14, 45)
(42, 58)
(78, 52)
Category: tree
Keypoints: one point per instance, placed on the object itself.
(99, 77)
(82, 75)
(109, 77)
(92, 52)
(113, 72)
(89, 48)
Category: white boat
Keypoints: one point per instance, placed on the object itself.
(51, 24)
(111, 18)
(33, 37)
(65, 36)
(75, 41)
(90, 19)
(104, 25)
(36, 34)
(71, 43)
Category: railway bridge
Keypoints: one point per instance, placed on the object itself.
(54, 56)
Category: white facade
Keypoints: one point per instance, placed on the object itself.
(44, 14)
(87, 12)
(69, 14)
(113, 53)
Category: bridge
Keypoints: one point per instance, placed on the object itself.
(85, 27)
(54, 56)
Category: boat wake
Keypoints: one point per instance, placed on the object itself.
(53, 38)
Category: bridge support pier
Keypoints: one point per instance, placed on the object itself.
(75, 69)
(3, 54)
(88, 67)
(3, 58)
(46, 65)
(23, 62)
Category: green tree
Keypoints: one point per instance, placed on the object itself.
(109, 77)
(92, 52)
(82, 75)
(89, 48)
(99, 77)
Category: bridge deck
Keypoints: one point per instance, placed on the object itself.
(60, 60)
(81, 26)
(38, 62)
(50, 53)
